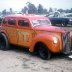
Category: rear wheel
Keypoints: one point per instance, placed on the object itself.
(64, 24)
(43, 52)
(4, 45)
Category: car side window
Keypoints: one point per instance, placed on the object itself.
(23, 23)
(12, 22)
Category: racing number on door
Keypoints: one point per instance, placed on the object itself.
(23, 36)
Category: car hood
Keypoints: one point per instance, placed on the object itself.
(49, 28)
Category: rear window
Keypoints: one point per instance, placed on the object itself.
(12, 22)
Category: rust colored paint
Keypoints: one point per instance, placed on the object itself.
(31, 35)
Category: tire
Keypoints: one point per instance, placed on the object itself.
(64, 24)
(43, 52)
(4, 45)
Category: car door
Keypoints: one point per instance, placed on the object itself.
(24, 33)
(11, 29)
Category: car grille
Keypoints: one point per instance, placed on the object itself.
(66, 43)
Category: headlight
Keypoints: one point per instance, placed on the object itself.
(55, 40)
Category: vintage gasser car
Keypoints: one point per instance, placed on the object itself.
(35, 33)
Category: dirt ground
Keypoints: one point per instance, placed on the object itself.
(16, 60)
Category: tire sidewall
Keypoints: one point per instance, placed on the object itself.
(46, 52)
(5, 40)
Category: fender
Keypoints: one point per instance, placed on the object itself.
(47, 39)
(3, 31)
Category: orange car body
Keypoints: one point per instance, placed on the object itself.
(32, 33)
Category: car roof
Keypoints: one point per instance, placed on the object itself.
(28, 16)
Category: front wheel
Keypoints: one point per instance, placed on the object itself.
(43, 52)
(4, 45)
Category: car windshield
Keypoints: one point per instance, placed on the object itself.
(40, 22)
(56, 14)
(69, 15)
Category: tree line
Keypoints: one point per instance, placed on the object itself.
(32, 9)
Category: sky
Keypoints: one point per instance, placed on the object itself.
(17, 5)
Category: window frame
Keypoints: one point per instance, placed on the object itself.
(5, 21)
